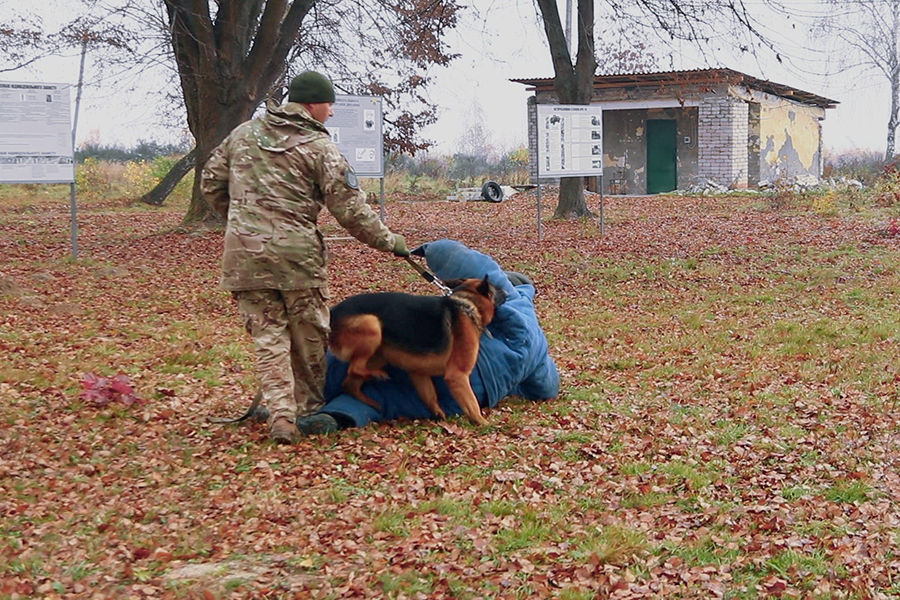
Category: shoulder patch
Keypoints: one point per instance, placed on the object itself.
(351, 179)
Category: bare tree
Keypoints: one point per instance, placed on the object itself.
(228, 56)
(25, 41)
(705, 22)
(223, 74)
(21, 44)
(869, 36)
(621, 49)
(474, 138)
(574, 84)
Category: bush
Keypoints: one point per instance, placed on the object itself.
(865, 166)
(470, 170)
(143, 151)
(885, 192)
(138, 178)
(91, 180)
(437, 176)
(826, 204)
(96, 179)
(110, 172)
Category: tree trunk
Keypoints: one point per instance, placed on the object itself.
(158, 194)
(893, 61)
(571, 199)
(891, 133)
(894, 119)
(226, 68)
(574, 84)
(209, 134)
(200, 213)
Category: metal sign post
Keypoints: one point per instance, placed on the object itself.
(571, 137)
(540, 211)
(73, 201)
(537, 162)
(36, 136)
(602, 228)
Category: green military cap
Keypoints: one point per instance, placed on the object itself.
(310, 87)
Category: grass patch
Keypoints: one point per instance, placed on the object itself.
(648, 499)
(531, 533)
(613, 545)
(848, 492)
(705, 551)
(719, 367)
(693, 477)
(405, 584)
(394, 522)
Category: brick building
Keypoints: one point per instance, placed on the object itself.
(667, 131)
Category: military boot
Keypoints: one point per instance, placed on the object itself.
(282, 431)
(317, 424)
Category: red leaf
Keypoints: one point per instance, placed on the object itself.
(101, 391)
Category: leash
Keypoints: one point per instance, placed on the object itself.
(251, 413)
(428, 275)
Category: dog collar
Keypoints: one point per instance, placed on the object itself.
(468, 307)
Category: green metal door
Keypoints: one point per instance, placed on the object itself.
(662, 142)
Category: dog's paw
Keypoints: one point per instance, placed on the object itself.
(478, 418)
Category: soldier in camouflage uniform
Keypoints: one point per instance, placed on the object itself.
(270, 178)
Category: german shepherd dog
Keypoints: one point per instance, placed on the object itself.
(423, 335)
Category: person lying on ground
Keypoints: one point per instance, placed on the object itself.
(513, 358)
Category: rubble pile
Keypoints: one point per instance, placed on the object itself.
(706, 187)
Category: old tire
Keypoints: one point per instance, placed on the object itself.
(492, 192)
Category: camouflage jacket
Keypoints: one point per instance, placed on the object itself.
(270, 178)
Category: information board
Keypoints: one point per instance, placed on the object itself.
(35, 133)
(570, 140)
(356, 128)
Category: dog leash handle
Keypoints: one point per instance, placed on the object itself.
(428, 275)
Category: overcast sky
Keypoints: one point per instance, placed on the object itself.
(501, 42)
(513, 46)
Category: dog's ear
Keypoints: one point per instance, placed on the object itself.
(496, 294)
(484, 288)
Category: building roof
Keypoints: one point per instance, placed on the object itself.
(699, 76)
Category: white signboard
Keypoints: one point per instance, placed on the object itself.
(35, 133)
(356, 128)
(570, 140)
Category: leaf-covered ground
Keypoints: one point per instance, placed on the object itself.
(727, 426)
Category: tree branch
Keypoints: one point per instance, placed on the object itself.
(556, 37)
(273, 63)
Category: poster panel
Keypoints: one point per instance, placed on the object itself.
(570, 140)
(356, 128)
(35, 133)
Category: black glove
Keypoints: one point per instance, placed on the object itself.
(518, 278)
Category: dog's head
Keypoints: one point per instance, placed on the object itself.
(490, 295)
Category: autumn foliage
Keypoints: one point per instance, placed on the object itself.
(727, 426)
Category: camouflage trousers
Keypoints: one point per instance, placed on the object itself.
(290, 330)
